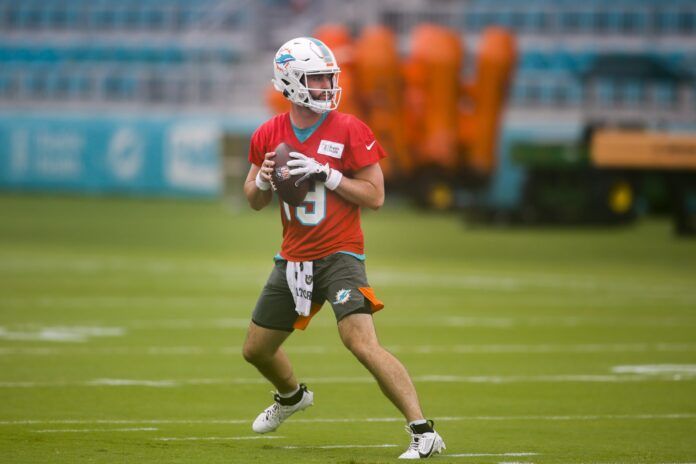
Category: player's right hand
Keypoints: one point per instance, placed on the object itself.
(267, 166)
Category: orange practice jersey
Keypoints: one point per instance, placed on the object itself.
(324, 223)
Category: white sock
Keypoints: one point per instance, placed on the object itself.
(417, 422)
(288, 395)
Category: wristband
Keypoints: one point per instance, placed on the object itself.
(334, 178)
(261, 183)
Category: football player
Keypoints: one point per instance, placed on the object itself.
(322, 256)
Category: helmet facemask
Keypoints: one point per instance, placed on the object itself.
(328, 98)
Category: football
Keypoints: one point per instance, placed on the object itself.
(281, 180)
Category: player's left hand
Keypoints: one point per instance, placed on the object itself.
(310, 168)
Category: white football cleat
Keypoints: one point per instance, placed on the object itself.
(423, 445)
(274, 415)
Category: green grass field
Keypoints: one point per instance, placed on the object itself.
(121, 323)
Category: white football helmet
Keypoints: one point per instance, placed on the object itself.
(297, 59)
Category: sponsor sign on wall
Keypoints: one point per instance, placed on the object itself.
(110, 155)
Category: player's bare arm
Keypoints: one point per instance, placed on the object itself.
(257, 185)
(366, 188)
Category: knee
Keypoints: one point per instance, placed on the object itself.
(361, 349)
(255, 355)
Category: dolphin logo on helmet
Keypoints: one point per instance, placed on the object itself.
(283, 58)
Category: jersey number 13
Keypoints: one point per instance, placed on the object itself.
(312, 210)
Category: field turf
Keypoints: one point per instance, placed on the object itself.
(121, 322)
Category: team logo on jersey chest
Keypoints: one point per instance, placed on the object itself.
(329, 148)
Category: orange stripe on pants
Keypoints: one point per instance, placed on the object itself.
(303, 321)
(375, 303)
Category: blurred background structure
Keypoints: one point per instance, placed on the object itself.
(535, 111)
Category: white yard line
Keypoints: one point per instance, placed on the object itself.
(254, 437)
(656, 369)
(544, 348)
(582, 378)
(120, 301)
(323, 350)
(434, 378)
(385, 445)
(229, 323)
(60, 333)
(589, 417)
(90, 265)
(671, 416)
(383, 276)
(475, 455)
(472, 280)
(132, 383)
(133, 429)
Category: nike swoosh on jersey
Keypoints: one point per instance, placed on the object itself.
(369, 147)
